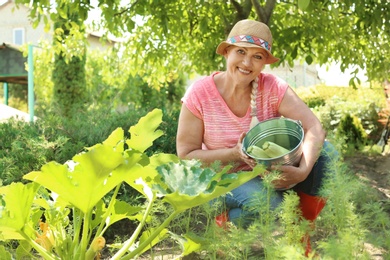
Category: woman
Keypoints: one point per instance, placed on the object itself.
(216, 114)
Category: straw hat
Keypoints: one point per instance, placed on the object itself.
(249, 33)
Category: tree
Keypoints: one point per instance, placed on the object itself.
(70, 92)
(166, 37)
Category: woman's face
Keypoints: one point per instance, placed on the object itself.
(244, 62)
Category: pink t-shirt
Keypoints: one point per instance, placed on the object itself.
(222, 127)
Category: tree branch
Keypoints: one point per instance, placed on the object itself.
(269, 9)
(242, 13)
(126, 9)
(265, 13)
(259, 10)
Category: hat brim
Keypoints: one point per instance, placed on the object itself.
(223, 45)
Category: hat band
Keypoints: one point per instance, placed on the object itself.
(249, 39)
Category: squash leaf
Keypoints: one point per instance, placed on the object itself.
(144, 132)
(17, 203)
(186, 185)
(91, 176)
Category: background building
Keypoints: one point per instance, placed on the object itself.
(301, 75)
(17, 29)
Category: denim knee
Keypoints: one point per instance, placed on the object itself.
(245, 202)
(314, 181)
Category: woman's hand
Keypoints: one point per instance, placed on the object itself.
(289, 175)
(242, 156)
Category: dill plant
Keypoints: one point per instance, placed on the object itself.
(341, 224)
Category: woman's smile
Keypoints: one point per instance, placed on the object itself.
(244, 71)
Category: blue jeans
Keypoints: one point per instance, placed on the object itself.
(243, 201)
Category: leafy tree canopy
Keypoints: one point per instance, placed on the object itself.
(165, 38)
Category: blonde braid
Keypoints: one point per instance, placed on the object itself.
(255, 84)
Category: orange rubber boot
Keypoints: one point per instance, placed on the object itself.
(222, 219)
(311, 207)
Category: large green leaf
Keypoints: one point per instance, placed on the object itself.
(123, 210)
(148, 172)
(146, 234)
(187, 245)
(15, 212)
(115, 139)
(5, 255)
(187, 177)
(92, 175)
(120, 210)
(186, 184)
(144, 133)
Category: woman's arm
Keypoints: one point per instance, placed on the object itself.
(293, 107)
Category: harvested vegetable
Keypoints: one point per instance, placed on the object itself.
(257, 152)
(268, 150)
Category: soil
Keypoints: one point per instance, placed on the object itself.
(373, 169)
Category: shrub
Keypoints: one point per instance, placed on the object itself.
(24, 148)
(86, 128)
(351, 131)
(364, 102)
(314, 102)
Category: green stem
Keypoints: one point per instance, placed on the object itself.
(188, 220)
(90, 254)
(77, 227)
(108, 212)
(131, 240)
(100, 231)
(85, 237)
(151, 237)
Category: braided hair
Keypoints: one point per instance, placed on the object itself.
(255, 84)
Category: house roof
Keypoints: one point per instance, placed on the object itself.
(12, 65)
(11, 46)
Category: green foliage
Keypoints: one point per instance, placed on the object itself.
(352, 216)
(364, 103)
(303, 4)
(170, 36)
(24, 148)
(4, 253)
(314, 102)
(351, 131)
(188, 178)
(349, 248)
(69, 93)
(167, 142)
(110, 85)
(235, 242)
(17, 96)
(290, 216)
